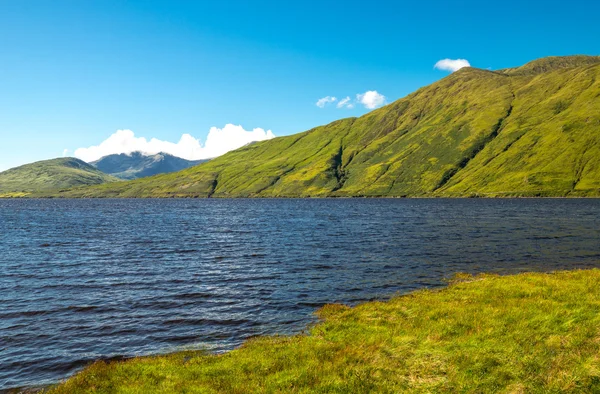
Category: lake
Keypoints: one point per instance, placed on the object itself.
(83, 280)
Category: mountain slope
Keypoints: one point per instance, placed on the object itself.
(529, 131)
(139, 165)
(50, 175)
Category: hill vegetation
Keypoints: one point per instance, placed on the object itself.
(528, 131)
(49, 175)
(140, 165)
(528, 333)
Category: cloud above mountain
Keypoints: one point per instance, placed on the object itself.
(452, 65)
(370, 99)
(322, 102)
(345, 103)
(218, 142)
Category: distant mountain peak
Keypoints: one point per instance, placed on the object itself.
(139, 164)
(137, 153)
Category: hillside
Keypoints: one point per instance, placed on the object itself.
(50, 175)
(139, 165)
(529, 131)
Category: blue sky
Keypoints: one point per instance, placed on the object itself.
(72, 73)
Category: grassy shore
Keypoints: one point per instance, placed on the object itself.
(515, 334)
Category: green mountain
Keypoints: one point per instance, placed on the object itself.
(527, 131)
(55, 174)
(139, 165)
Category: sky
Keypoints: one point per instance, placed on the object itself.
(198, 78)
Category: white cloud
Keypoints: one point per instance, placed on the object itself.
(218, 142)
(65, 152)
(345, 103)
(451, 65)
(371, 99)
(322, 102)
(230, 137)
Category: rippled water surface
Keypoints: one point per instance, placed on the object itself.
(87, 279)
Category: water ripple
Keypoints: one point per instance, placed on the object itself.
(84, 280)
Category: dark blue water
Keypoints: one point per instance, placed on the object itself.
(82, 280)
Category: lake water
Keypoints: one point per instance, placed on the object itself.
(83, 280)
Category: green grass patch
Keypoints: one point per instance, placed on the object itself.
(530, 332)
(14, 195)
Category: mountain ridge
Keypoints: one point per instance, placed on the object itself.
(550, 63)
(533, 130)
(137, 164)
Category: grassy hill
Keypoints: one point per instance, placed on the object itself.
(528, 131)
(528, 333)
(49, 175)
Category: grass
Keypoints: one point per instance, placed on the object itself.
(531, 332)
(14, 194)
(529, 131)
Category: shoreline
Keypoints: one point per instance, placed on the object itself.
(364, 331)
(482, 197)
